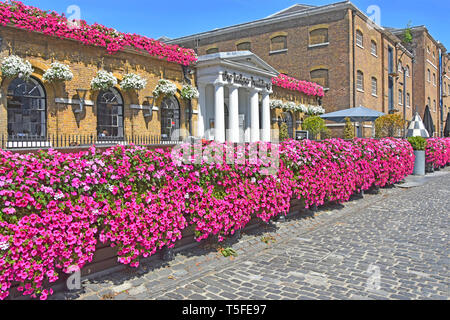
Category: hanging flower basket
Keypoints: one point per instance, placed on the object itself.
(103, 81)
(58, 72)
(133, 81)
(189, 92)
(276, 104)
(165, 88)
(14, 66)
(315, 110)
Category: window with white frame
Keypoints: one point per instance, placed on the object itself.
(429, 102)
(434, 78)
(408, 100)
(374, 86)
(400, 66)
(407, 71)
(428, 75)
(434, 105)
(360, 81)
(400, 97)
(374, 48)
(359, 39)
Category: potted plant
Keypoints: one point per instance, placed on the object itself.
(103, 81)
(133, 81)
(14, 66)
(418, 144)
(58, 72)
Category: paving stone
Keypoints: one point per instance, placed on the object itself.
(397, 239)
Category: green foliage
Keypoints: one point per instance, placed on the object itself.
(349, 130)
(228, 252)
(284, 134)
(407, 35)
(418, 143)
(389, 125)
(315, 125)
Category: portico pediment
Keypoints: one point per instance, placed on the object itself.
(243, 61)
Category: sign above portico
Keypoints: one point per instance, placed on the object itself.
(246, 81)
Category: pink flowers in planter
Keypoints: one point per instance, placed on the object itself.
(55, 207)
(51, 23)
(308, 88)
(437, 151)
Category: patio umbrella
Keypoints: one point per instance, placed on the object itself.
(428, 121)
(447, 126)
(360, 114)
(417, 128)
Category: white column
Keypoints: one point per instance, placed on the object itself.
(219, 125)
(254, 115)
(201, 110)
(233, 120)
(266, 130)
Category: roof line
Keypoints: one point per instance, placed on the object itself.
(313, 10)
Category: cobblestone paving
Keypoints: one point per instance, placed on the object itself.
(393, 245)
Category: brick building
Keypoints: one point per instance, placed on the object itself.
(39, 113)
(338, 46)
(115, 113)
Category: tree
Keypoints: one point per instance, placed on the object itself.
(389, 125)
(315, 125)
(284, 134)
(349, 130)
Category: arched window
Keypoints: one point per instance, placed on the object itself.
(278, 43)
(26, 110)
(244, 46)
(359, 39)
(320, 76)
(360, 81)
(110, 114)
(289, 119)
(408, 71)
(318, 36)
(374, 86)
(170, 119)
(374, 48)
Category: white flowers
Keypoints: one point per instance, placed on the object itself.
(165, 88)
(315, 110)
(133, 81)
(189, 92)
(58, 72)
(292, 106)
(276, 104)
(59, 196)
(14, 66)
(4, 246)
(103, 81)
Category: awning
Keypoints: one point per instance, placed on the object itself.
(428, 121)
(360, 114)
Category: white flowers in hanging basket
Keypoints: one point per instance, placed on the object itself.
(276, 104)
(58, 72)
(165, 88)
(103, 81)
(315, 110)
(189, 92)
(14, 66)
(133, 81)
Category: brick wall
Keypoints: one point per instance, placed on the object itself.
(85, 61)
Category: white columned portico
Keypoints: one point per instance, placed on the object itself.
(233, 120)
(219, 121)
(254, 115)
(242, 77)
(266, 130)
(201, 110)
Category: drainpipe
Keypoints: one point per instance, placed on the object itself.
(353, 58)
(441, 102)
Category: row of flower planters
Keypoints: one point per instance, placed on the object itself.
(437, 154)
(57, 209)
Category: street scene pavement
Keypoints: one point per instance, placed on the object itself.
(390, 245)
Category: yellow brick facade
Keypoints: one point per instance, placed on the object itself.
(85, 61)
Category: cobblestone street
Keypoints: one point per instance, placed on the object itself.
(391, 245)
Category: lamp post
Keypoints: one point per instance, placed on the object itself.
(82, 96)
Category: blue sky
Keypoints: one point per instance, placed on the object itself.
(178, 18)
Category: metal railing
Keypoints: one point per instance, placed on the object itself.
(8, 142)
